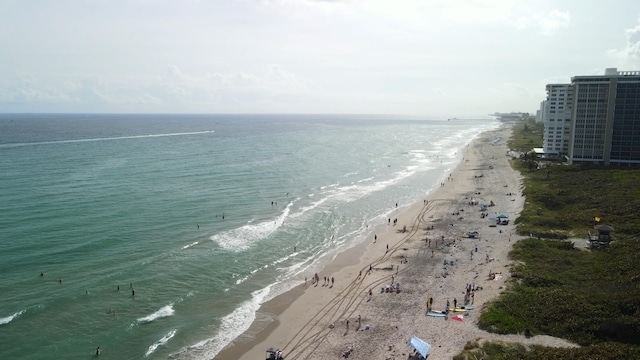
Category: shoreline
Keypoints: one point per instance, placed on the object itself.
(314, 322)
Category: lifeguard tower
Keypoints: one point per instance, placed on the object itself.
(601, 237)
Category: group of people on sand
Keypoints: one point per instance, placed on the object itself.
(315, 280)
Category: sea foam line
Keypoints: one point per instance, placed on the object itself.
(160, 342)
(190, 245)
(165, 311)
(8, 319)
(241, 238)
(231, 326)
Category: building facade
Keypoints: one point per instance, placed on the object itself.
(557, 120)
(605, 119)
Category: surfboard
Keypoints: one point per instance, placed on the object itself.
(435, 314)
(458, 309)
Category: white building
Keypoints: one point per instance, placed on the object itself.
(540, 112)
(557, 120)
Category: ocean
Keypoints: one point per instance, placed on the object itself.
(159, 236)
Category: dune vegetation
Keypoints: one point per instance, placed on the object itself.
(559, 286)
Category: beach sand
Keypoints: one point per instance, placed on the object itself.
(310, 322)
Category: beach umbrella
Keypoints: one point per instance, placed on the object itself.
(502, 216)
(420, 345)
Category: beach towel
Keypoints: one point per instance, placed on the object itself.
(420, 345)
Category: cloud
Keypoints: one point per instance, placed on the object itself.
(629, 56)
(633, 44)
(28, 88)
(555, 21)
(548, 24)
(174, 89)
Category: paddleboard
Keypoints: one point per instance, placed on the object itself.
(435, 314)
(458, 310)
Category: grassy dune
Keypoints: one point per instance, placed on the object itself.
(591, 297)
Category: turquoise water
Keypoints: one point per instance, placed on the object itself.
(101, 202)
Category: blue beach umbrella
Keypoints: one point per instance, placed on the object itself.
(502, 216)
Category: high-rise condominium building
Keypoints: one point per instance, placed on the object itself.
(605, 119)
(557, 119)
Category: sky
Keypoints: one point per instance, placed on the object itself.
(435, 58)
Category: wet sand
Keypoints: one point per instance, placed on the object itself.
(311, 322)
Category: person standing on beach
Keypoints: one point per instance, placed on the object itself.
(332, 281)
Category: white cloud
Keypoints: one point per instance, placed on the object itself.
(628, 58)
(478, 11)
(549, 24)
(553, 22)
(633, 44)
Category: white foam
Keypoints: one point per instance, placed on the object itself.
(8, 319)
(165, 311)
(160, 342)
(231, 326)
(190, 245)
(241, 280)
(364, 180)
(241, 238)
(329, 186)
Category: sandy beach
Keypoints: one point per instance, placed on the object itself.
(425, 250)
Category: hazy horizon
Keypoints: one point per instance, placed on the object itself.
(438, 59)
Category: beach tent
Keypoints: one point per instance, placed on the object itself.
(502, 216)
(420, 345)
